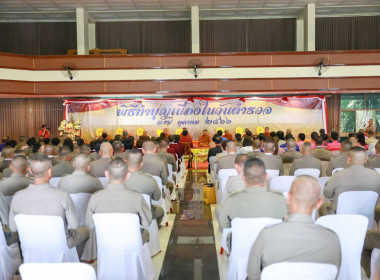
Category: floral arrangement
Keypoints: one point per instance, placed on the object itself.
(62, 125)
(77, 124)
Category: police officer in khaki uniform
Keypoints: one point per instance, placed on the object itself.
(80, 181)
(320, 152)
(152, 163)
(272, 161)
(98, 167)
(282, 242)
(339, 161)
(64, 166)
(163, 147)
(353, 178)
(228, 161)
(307, 161)
(291, 154)
(255, 201)
(256, 153)
(49, 150)
(7, 155)
(40, 198)
(116, 198)
(17, 181)
(143, 183)
(374, 162)
(117, 147)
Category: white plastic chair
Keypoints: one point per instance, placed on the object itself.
(81, 202)
(244, 234)
(308, 171)
(170, 178)
(121, 253)
(104, 181)
(161, 202)
(154, 238)
(10, 258)
(377, 170)
(374, 258)
(57, 271)
(223, 176)
(281, 183)
(299, 271)
(54, 181)
(272, 173)
(351, 230)
(211, 160)
(336, 170)
(43, 239)
(359, 203)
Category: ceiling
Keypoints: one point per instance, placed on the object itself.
(120, 10)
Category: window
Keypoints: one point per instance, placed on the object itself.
(357, 109)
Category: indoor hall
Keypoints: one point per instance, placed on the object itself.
(287, 90)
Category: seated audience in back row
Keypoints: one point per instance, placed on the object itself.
(307, 161)
(339, 161)
(228, 161)
(80, 181)
(283, 243)
(353, 178)
(40, 198)
(64, 166)
(272, 161)
(98, 167)
(291, 154)
(320, 152)
(255, 201)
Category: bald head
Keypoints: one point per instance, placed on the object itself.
(345, 146)
(148, 147)
(254, 172)
(105, 149)
(134, 160)
(40, 166)
(64, 153)
(231, 146)
(49, 150)
(357, 156)
(306, 148)
(269, 146)
(81, 162)
(291, 143)
(7, 152)
(304, 195)
(117, 171)
(19, 164)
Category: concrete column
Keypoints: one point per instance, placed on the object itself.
(309, 27)
(91, 36)
(299, 34)
(195, 45)
(82, 31)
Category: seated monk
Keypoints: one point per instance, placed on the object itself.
(205, 139)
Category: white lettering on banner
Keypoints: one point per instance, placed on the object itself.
(300, 114)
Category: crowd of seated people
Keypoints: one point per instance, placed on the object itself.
(129, 164)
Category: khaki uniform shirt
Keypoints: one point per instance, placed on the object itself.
(252, 203)
(95, 156)
(14, 183)
(234, 184)
(99, 167)
(116, 198)
(296, 240)
(352, 178)
(155, 166)
(337, 162)
(144, 183)
(307, 161)
(79, 182)
(255, 154)
(4, 212)
(62, 168)
(290, 156)
(273, 162)
(5, 164)
(44, 200)
(321, 154)
(226, 162)
(373, 162)
(371, 140)
(169, 159)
